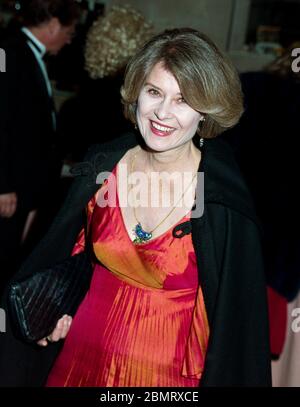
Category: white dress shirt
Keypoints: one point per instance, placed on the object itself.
(39, 50)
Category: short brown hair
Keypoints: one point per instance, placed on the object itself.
(36, 12)
(208, 81)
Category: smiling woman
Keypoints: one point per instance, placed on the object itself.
(207, 80)
(162, 112)
(176, 299)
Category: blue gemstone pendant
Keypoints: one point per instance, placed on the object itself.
(141, 236)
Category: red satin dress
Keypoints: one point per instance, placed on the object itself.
(143, 321)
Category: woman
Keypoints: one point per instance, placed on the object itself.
(175, 299)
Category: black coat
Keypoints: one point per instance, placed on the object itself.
(29, 162)
(228, 249)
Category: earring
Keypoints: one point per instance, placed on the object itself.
(201, 142)
(200, 125)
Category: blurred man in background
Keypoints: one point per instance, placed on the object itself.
(29, 161)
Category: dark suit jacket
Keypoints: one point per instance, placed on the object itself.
(227, 244)
(29, 163)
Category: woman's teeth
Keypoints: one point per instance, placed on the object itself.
(161, 128)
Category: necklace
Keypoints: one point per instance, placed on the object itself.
(141, 235)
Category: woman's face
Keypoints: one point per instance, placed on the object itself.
(165, 120)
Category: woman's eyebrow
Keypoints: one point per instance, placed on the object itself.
(156, 87)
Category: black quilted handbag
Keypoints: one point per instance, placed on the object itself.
(37, 302)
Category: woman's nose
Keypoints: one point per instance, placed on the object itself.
(163, 110)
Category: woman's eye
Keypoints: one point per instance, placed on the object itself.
(153, 92)
(181, 100)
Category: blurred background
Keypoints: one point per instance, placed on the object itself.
(252, 32)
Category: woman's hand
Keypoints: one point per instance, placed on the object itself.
(60, 331)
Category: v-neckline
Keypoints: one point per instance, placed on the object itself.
(124, 225)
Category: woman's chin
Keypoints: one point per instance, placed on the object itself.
(157, 143)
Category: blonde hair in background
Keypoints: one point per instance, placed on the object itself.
(208, 81)
(113, 39)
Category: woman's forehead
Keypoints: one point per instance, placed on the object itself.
(161, 77)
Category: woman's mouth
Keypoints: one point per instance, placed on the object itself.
(160, 130)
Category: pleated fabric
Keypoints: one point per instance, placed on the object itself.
(143, 321)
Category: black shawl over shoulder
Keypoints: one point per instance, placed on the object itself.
(227, 243)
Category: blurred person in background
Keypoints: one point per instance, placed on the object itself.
(29, 161)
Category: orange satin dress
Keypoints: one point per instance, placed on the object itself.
(143, 321)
